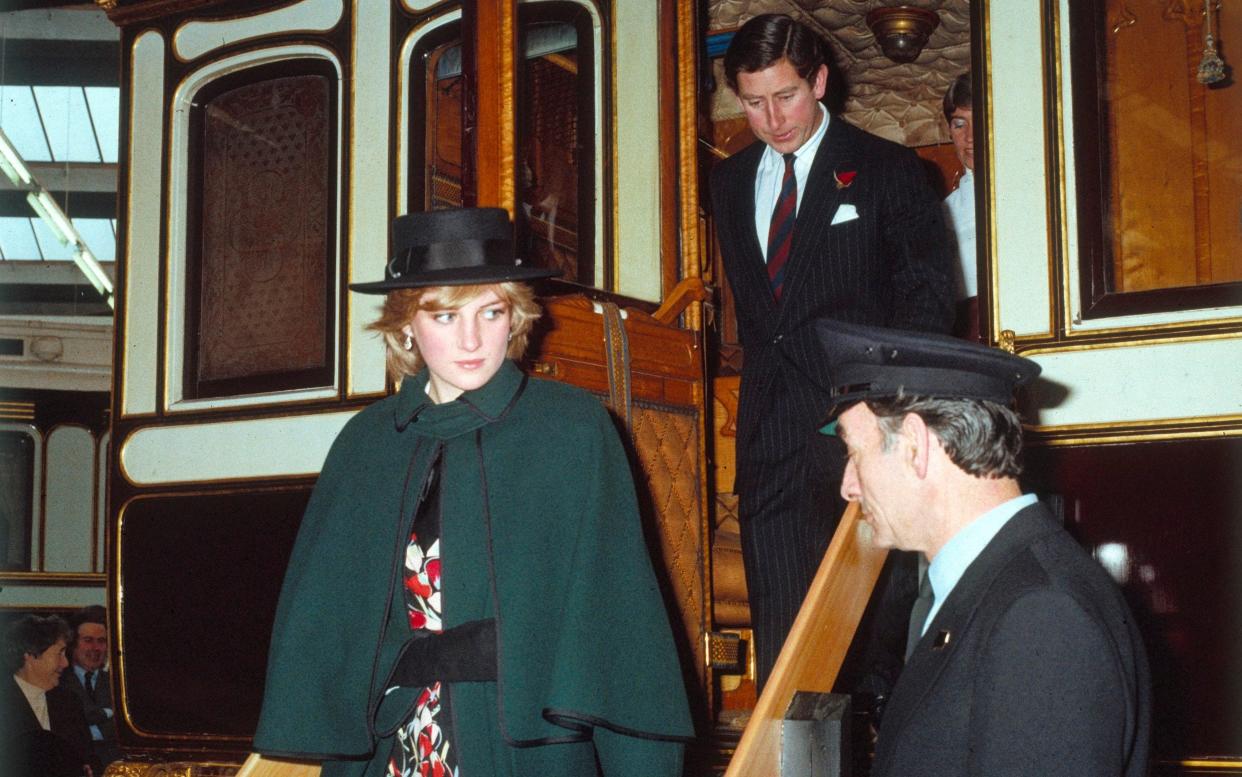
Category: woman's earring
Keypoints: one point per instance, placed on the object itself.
(510, 337)
(408, 344)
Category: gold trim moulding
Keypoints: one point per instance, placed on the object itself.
(58, 579)
(1039, 345)
(1135, 431)
(125, 768)
(17, 411)
(1230, 764)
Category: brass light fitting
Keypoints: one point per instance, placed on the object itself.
(902, 31)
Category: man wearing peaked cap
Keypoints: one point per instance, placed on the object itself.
(1029, 662)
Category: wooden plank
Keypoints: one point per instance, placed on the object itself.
(495, 44)
(817, 643)
(262, 766)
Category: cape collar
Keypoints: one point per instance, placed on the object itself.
(415, 411)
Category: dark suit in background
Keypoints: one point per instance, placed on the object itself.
(890, 266)
(1042, 671)
(93, 706)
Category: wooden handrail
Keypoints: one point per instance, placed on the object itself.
(817, 643)
(685, 292)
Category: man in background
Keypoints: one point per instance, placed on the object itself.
(816, 218)
(959, 207)
(89, 680)
(42, 732)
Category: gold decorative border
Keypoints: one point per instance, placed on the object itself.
(1135, 431)
(17, 411)
(118, 601)
(56, 579)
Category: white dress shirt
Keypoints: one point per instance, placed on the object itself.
(771, 173)
(37, 697)
(959, 211)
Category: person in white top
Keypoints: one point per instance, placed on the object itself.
(959, 206)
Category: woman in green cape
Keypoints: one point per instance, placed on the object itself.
(469, 593)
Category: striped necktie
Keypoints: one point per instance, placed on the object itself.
(780, 231)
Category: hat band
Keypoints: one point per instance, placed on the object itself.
(451, 255)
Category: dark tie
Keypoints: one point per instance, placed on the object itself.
(90, 685)
(780, 231)
(918, 614)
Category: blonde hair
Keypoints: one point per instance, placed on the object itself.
(400, 306)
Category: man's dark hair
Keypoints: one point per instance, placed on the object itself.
(958, 96)
(92, 613)
(31, 635)
(982, 438)
(767, 39)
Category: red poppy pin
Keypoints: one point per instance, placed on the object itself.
(844, 179)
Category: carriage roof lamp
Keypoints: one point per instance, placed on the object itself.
(902, 31)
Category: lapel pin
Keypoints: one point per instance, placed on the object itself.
(942, 639)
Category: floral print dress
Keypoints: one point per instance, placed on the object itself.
(423, 747)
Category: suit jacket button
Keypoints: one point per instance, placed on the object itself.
(777, 339)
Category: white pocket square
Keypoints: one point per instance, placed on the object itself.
(846, 212)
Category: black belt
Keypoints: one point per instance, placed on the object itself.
(465, 653)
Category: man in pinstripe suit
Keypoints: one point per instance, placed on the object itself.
(868, 246)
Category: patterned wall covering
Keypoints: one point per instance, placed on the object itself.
(265, 243)
(667, 442)
(898, 102)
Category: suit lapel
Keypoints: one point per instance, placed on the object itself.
(819, 202)
(743, 194)
(935, 652)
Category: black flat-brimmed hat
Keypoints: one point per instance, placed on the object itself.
(871, 362)
(452, 248)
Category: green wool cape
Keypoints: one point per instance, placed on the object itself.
(540, 530)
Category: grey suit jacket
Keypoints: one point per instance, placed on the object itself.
(890, 266)
(1033, 666)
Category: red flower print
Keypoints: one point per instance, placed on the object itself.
(844, 178)
(417, 620)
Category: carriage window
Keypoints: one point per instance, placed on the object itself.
(1158, 190)
(17, 477)
(556, 84)
(556, 140)
(260, 242)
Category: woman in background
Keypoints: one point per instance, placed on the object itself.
(469, 593)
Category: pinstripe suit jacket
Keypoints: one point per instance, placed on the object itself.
(891, 266)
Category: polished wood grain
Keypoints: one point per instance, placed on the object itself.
(817, 643)
(495, 44)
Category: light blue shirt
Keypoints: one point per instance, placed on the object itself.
(772, 172)
(96, 734)
(960, 552)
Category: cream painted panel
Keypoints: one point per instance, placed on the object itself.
(20, 597)
(1020, 250)
(368, 193)
(99, 560)
(174, 359)
(1197, 379)
(637, 164)
(230, 450)
(70, 500)
(139, 359)
(197, 38)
